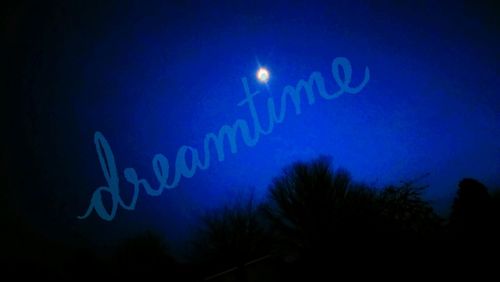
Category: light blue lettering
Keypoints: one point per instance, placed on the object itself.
(187, 169)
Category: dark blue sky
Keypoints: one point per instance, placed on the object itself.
(153, 77)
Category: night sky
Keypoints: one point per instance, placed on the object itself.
(154, 77)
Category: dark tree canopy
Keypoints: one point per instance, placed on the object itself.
(472, 210)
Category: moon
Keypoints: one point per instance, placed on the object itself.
(263, 75)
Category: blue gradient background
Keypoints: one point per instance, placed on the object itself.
(152, 77)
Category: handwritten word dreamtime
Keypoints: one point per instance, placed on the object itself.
(188, 159)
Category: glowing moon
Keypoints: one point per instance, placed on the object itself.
(263, 75)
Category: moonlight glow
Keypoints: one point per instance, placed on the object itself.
(263, 75)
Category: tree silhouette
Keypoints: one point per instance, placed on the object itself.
(315, 209)
(495, 197)
(406, 213)
(472, 210)
(144, 257)
(318, 212)
(230, 237)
